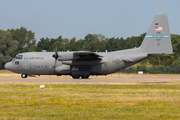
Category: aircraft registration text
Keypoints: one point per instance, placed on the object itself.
(30, 58)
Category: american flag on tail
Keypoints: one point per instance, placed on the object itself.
(159, 29)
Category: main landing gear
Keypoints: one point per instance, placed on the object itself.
(77, 77)
(84, 77)
(24, 75)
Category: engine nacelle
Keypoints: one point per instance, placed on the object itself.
(83, 62)
(67, 56)
(63, 70)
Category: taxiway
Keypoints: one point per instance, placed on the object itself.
(100, 79)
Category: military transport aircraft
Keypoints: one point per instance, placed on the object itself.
(157, 42)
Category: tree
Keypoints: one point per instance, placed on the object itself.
(58, 43)
(71, 45)
(43, 44)
(167, 61)
(26, 39)
(8, 47)
(95, 42)
(65, 44)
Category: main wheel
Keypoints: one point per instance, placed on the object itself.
(84, 77)
(75, 77)
(24, 75)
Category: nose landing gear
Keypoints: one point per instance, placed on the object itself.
(24, 75)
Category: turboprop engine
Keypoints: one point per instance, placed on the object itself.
(83, 62)
(63, 69)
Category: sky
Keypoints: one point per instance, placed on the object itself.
(77, 18)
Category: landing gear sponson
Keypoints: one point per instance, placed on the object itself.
(77, 77)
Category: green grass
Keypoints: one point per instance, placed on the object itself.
(5, 71)
(90, 101)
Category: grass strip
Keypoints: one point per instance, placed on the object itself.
(90, 101)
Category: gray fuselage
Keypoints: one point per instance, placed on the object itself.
(157, 42)
(42, 63)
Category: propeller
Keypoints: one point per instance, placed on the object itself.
(56, 53)
(55, 56)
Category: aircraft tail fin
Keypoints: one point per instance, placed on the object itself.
(157, 41)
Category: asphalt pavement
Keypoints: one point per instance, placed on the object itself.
(100, 79)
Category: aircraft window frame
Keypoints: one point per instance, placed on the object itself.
(19, 57)
(13, 60)
(16, 63)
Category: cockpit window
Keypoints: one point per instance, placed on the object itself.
(19, 57)
(16, 62)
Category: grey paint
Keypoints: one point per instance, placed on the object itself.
(157, 42)
(158, 45)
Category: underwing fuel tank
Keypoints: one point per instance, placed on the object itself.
(83, 62)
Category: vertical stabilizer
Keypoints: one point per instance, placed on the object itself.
(157, 39)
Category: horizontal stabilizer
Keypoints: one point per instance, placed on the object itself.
(158, 54)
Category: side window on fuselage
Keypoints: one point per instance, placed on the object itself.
(16, 62)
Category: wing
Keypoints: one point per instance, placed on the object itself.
(81, 58)
(79, 55)
(87, 55)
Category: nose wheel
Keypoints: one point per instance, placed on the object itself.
(24, 75)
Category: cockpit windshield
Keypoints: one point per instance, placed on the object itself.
(19, 57)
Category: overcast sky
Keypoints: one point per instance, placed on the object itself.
(77, 18)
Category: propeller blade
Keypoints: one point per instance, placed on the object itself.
(56, 53)
(55, 56)
(55, 63)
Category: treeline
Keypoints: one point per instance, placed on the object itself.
(22, 40)
(161, 69)
(15, 41)
(91, 42)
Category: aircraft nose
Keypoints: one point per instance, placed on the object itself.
(8, 66)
